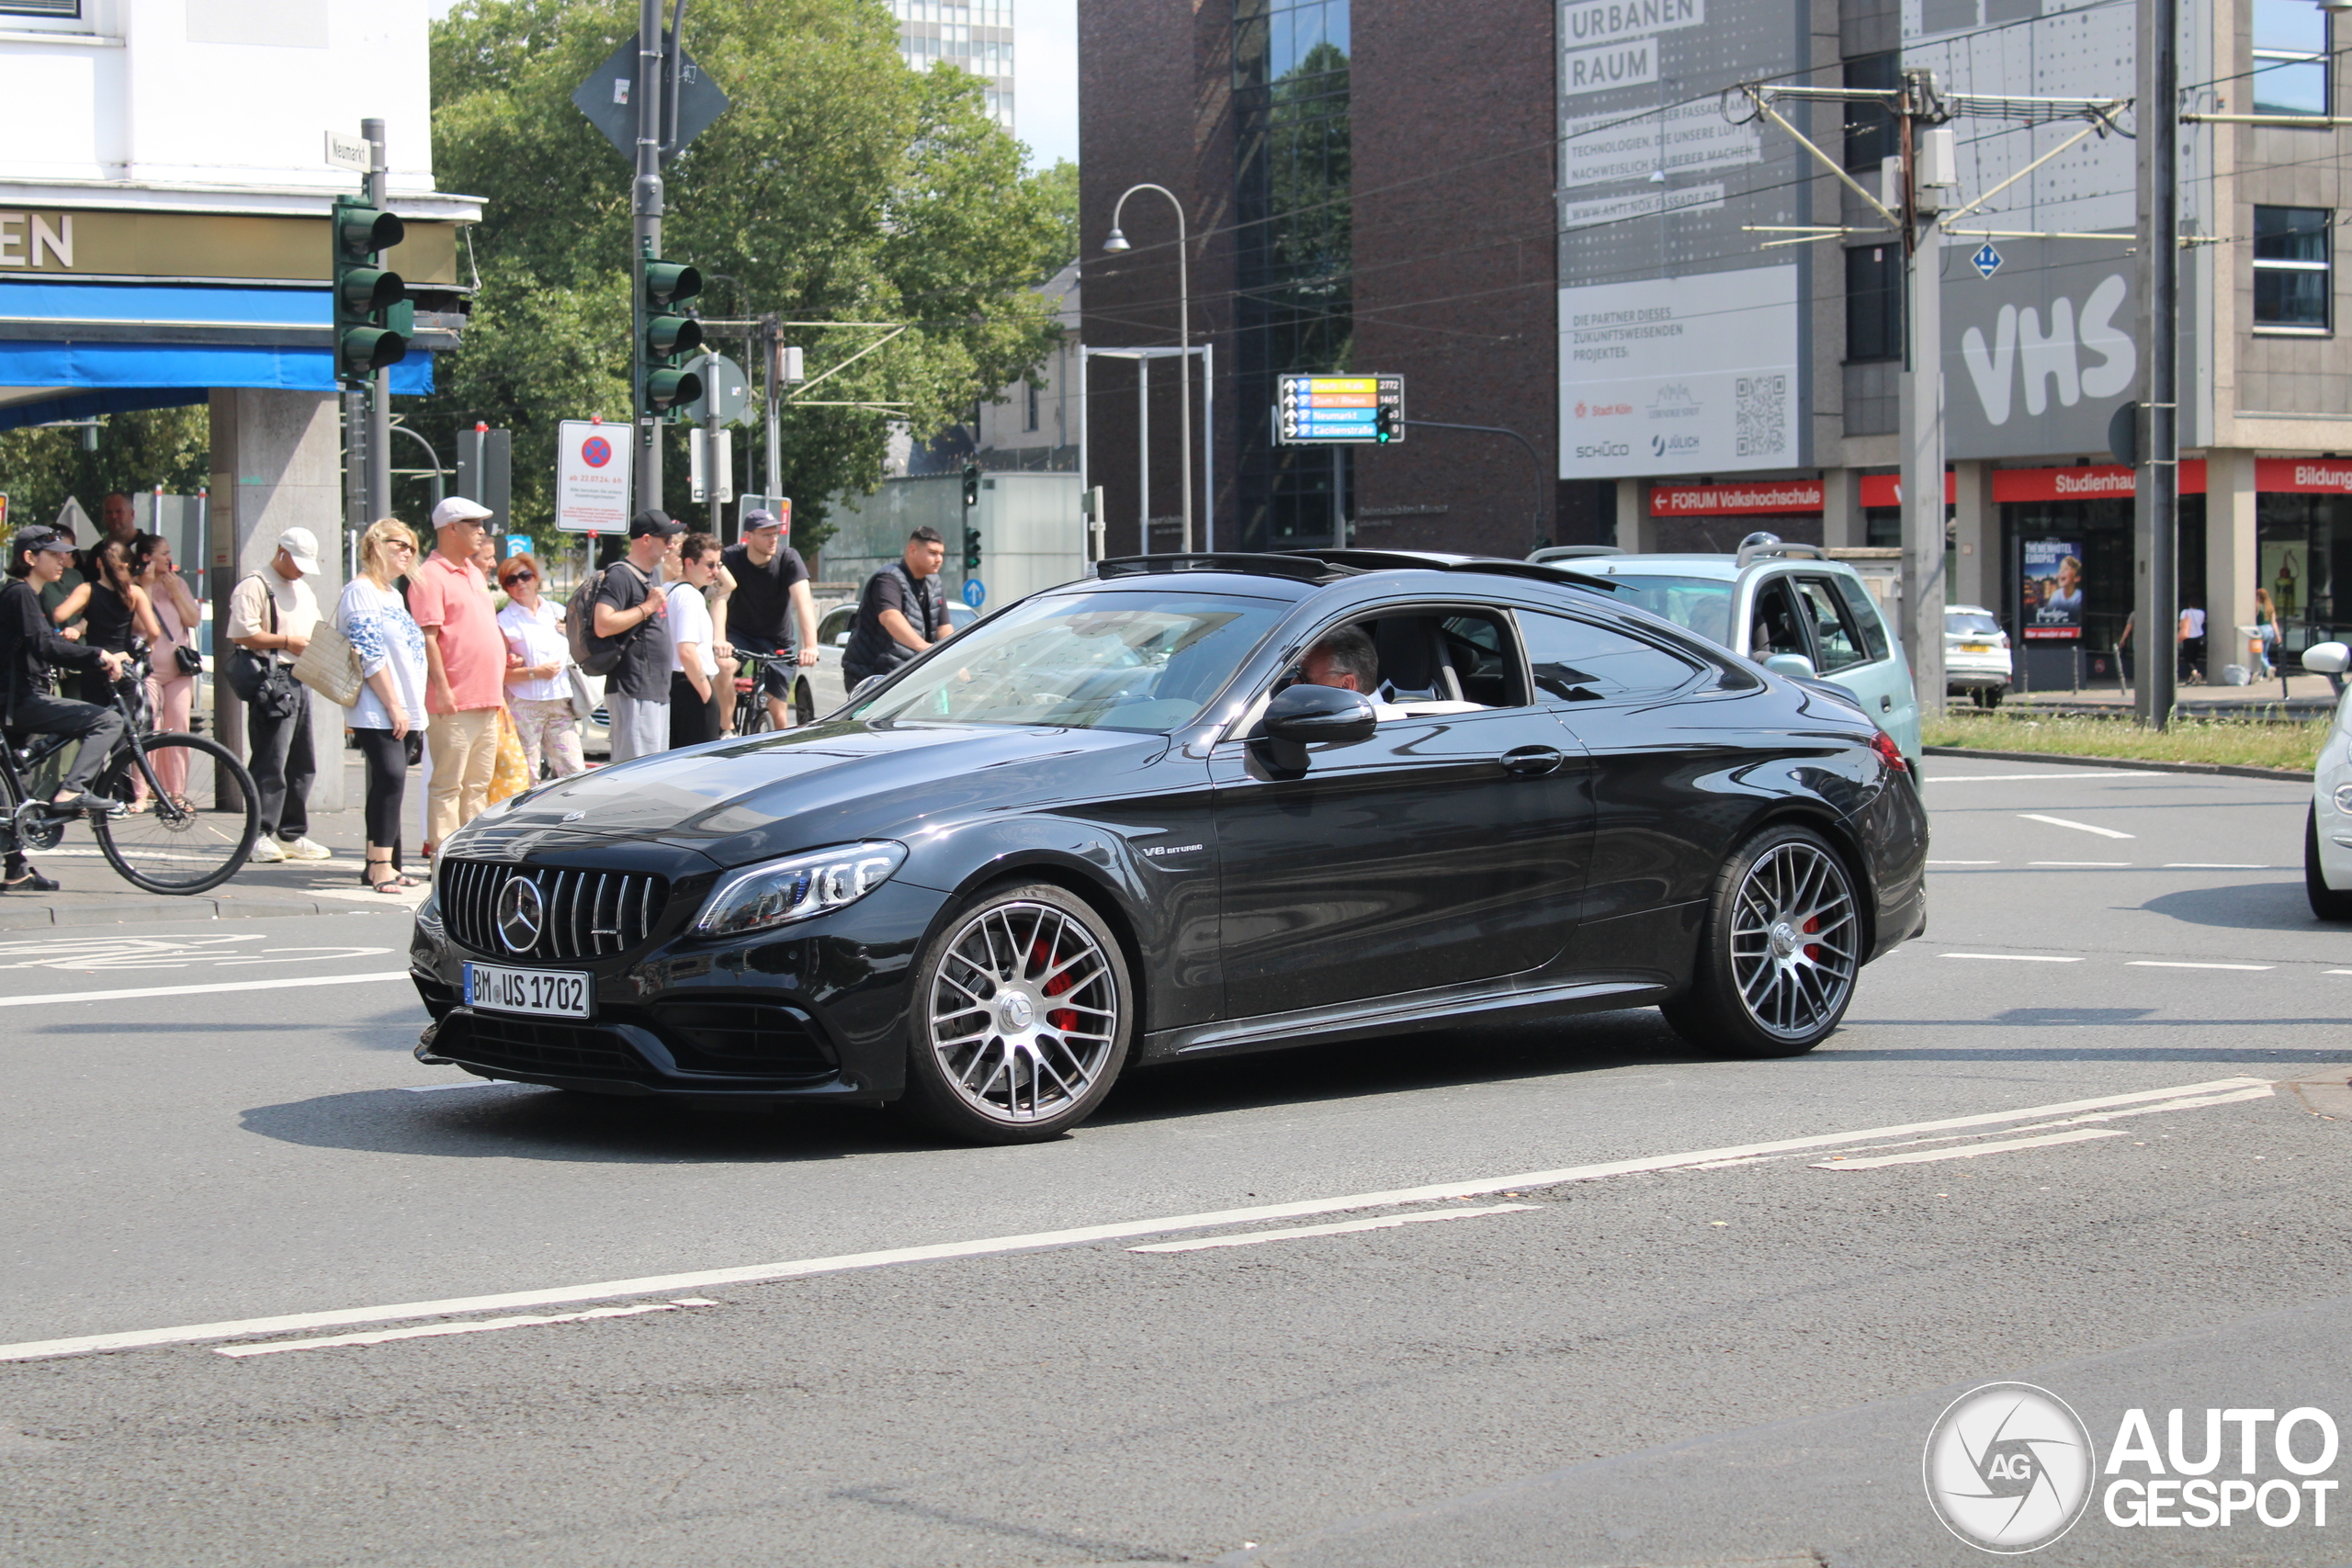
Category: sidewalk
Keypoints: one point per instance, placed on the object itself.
(94, 895)
(2308, 696)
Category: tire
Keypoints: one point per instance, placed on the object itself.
(752, 713)
(177, 846)
(804, 702)
(1004, 1047)
(2327, 904)
(1992, 696)
(1780, 952)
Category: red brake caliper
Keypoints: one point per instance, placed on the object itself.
(1813, 948)
(1063, 1019)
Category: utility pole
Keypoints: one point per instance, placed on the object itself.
(378, 460)
(772, 373)
(1920, 402)
(2155, 590)
(646, 207)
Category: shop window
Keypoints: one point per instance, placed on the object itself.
(69, 10)
(1873, 303)
(2290, 58)
(2293, 276)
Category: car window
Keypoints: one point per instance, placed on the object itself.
(1701, 604)
(1775, 626)
(835, 624)
(1577, 661)
(1866, 616)
(1107, 661)
(1414, 662)
(1834, 632)
(1970, 623)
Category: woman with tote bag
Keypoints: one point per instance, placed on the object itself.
(388, 711)
(538, 689)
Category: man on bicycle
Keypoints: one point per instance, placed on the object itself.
(770, 586)
(37, 556)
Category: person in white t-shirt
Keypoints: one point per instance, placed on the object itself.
(538, 689)
(691, 663)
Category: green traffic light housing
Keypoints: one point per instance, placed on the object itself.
(361, 231)
(666, 389)
(363, 290)
(373, 317)
(671, 283)
(668, 336)
(363, 351)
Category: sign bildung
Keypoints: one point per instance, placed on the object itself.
(595, 484)
(2049, 580)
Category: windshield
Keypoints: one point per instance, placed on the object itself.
(1960, 623)
(1111, 660)
(1701, 603)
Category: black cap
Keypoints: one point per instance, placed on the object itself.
(654, 523)
(40, 536)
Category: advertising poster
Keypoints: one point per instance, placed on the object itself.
(2050, 580)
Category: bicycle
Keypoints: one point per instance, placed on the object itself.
(159, 841)
(751, 701)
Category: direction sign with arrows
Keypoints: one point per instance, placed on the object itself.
(1327, 411)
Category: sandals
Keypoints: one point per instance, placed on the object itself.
(396, 883)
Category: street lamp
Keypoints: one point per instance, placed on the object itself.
(1113, 245)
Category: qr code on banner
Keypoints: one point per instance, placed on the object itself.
(1763, 415)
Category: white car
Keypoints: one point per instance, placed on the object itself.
(1977, 655)
(2327, 832)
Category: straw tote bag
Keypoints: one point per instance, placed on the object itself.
(329, 665)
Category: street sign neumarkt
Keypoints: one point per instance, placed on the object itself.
(1325, 410)
(608, 99)
(347, 152)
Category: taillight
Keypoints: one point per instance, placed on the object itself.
(1889, 753)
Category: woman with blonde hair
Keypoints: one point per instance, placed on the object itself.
(538, 688)
(374, 618)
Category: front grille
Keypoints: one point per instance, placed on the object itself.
(744, 1037)
(536, 1044)
(587, 913)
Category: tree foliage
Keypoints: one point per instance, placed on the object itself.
(839, 185)
(38, 469)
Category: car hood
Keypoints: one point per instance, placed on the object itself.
(737, 801)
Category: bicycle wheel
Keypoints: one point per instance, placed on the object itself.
(173, 844)
(752, 711)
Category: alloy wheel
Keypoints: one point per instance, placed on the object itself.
(1794, 938)
(1023, 1012)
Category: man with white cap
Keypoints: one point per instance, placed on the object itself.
(465, 669)
(272, 612)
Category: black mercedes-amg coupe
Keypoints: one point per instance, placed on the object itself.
(1144, 817)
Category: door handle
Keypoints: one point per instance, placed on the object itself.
(1532, 761)
(1886, 704)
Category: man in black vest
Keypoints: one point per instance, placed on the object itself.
(901, 612)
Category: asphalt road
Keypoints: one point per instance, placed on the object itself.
(1629, 1304)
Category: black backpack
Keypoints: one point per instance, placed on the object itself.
(595, 655)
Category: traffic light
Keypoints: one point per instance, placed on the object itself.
(971, 484)
(373, 317)
(666, 336)
(1388, 424)
(971, 550)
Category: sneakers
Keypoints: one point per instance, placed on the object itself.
(267, 851)
(305, 848)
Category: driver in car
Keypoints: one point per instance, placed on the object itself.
(1344, 659)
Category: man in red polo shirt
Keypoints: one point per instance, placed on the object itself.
(465, 670)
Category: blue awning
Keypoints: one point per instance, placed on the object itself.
(112, 347)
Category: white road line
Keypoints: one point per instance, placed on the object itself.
(1926, 1157)
(438, 1087)
(670, 1284)
(2099, 864)
(2160, 1108)
(1345, 1227)
(1963, 862)
(2215, 865)
(2012, 957)
(436, 1330)
(49, 998)
(2169, 963)
(2069, 773)
(2077, 827)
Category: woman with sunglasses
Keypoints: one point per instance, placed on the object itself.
(538, 686)
(374, 618)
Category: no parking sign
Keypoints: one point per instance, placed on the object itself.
(594, 482)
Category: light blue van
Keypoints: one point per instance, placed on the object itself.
(1789, 607)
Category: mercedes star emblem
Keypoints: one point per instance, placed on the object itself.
(520, 914)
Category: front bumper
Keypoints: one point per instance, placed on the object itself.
(815, 1010)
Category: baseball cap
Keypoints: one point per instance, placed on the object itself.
(654, 523)
(302, 545)
(38, 537)
(458, 509)
(761, 519)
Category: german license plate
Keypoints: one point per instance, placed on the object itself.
(542, 993)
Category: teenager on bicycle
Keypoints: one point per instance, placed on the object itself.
(771, 591)
(38, 556)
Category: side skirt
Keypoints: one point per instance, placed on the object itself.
(1389, 1015)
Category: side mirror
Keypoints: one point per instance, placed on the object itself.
(2327, 657)
(1305, 714)
(863, 686)
(1795, 666)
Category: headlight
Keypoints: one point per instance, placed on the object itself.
(2344, 799)
(799, 886)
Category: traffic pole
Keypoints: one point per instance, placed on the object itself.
(378, 460)
(1920, 409)
(644, 205)
(2156, 519)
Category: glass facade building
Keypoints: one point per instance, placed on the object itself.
(976, 35)
(1294, 255)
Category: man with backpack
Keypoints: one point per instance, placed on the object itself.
(628, 641)
(902, 612)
